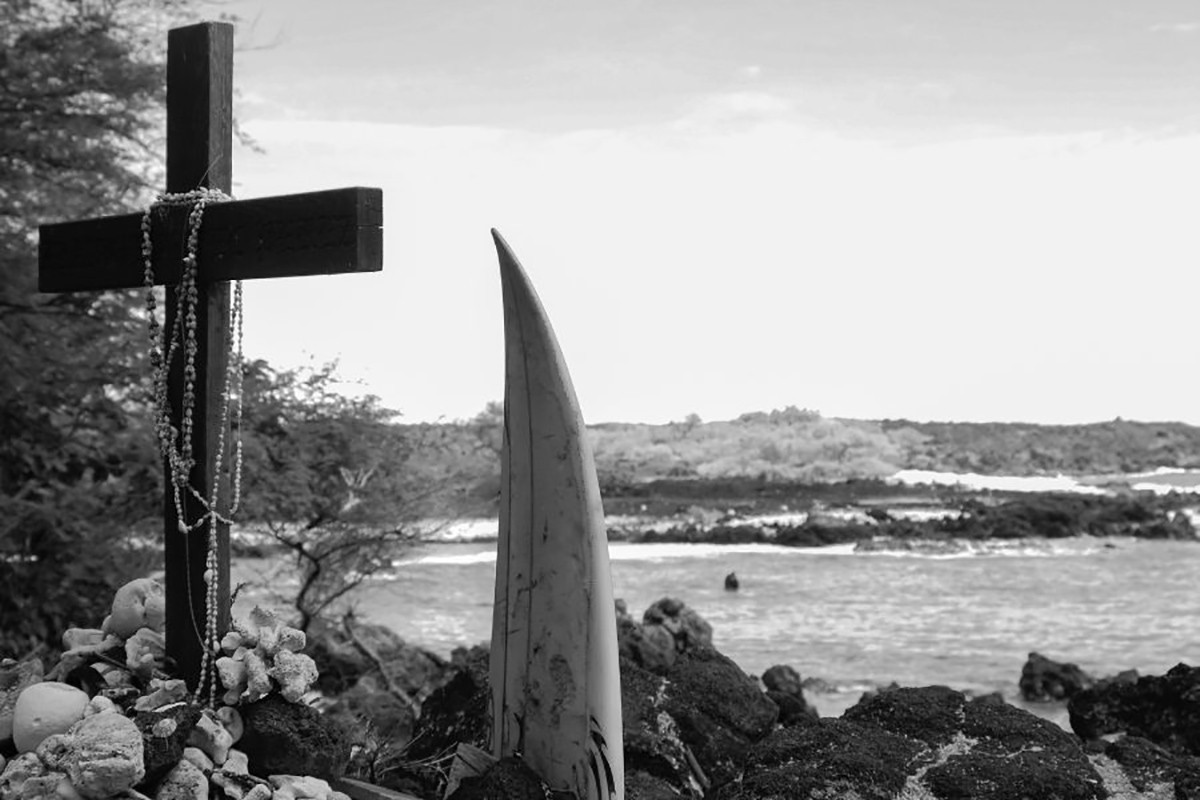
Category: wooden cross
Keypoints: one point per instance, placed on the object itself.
(305, 234)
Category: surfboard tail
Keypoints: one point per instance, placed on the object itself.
(556, 692)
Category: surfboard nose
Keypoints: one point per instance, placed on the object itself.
(510, 268)
(528, 336)
(520, 298)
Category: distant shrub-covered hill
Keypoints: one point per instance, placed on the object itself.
(1021, 448)
(799, 445)
(802, 447)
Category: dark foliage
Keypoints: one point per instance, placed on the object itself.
(81, 88)
(333, 480)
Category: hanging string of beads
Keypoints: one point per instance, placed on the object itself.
(175, 443)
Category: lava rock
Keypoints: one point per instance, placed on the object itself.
(165, 733)
(1043, 679)
(652, 646)
(786, 690)
(782, 678)
(668, 628)
(1164, 709)
(792, 710)
(507, 779)
(283, 738)
(930, 742)
(656, 759)
(827, 758)
(644, 786)
(719, 709)
(1152, 769)
(457, 712)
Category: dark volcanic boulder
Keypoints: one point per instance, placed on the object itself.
(285, 738)
(1165, 710)
(668, 628)
(457, 712)
(689, 728)
(792, 709)
(705, 729)
(826, 758)
(685, 625)
(1055, 515)
(929, 742)
(1043, 679)
(786, 690)
(165, 733)
(719, 709)
(782, 678)
(1152, 770)
(507, 779)
(656, 759)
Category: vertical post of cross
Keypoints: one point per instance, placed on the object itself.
(199, 155)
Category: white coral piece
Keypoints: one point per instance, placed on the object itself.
(145, 651)
(211, 737)
(300, 787)
(258, 676)
(261, 654)
(232, 641)
(295, 673)
(264, 631)
(232, 672)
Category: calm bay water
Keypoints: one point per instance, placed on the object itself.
(858, 620)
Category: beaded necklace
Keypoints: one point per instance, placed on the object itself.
(175, 444)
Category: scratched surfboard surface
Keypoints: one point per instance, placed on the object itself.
(556, 692)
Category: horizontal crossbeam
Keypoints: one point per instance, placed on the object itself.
(316, 233)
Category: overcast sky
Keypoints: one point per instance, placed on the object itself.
(932, 209)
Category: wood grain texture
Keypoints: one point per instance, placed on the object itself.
(361, 790)
(199, 153)
(316, 233)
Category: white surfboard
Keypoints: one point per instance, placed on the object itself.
(556, 689)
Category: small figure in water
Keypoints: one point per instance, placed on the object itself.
(731, 582)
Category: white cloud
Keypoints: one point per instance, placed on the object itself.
(719, 109)
(1175, 27)
(719, 268)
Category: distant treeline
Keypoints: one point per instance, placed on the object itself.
(797, 445)
(1017, 448)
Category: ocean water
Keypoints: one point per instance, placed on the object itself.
(966, 620)
(857, 621)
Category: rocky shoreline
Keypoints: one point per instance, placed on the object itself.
(872, 511)
(872, 515)
(696, 725)
(316, 716)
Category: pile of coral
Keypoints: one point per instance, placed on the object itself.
(110, 720)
